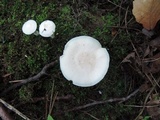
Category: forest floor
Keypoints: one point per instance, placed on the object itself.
(129, 90)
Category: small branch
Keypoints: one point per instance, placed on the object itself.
(14, 110)
(90, 115)
(67, 97)
(123, 99)
(4, 115)
(31, 79)
(124, 27)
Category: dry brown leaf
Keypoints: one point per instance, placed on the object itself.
(129, 57)
(155, 42)
(114, 32)
(147, 12)
(151, 65)
(144, 87)
(147, 52)
(154, 111)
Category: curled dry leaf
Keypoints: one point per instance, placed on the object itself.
(147, 12)
(129, 57)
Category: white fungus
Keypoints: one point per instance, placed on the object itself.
(29, 27)
(47, 28)
(84, 61)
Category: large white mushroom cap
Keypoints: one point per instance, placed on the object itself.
(84, 61)
(47, 28)
(29, 27)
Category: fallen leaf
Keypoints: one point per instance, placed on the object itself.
(155, 42)
(129, 57)
(147, 52)
(144, 87)
(154, 111)
(114, 32)
(147, 12)
(151, 65)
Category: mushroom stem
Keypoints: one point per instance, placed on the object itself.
(52, 36)
(36, 33)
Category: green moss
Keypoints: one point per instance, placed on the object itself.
(25, 55)
(25, 93)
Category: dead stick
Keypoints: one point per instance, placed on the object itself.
(31, 79)
(4, 115)
(123, 99)
(14, 109)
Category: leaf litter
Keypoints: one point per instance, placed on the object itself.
(145, 56)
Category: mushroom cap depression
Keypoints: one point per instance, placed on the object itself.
(47, 28)
(84, 61)
(29, 27)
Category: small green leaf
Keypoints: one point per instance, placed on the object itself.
(146, 118)
(50, 117)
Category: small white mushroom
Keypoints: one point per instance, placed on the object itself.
(47, 28)
(29, 27)
(84, 61)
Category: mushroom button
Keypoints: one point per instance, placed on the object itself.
(29, 27)
(47, 28)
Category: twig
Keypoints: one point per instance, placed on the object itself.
(124, 27)
(123, 99)
(52, 102)
(155, 80)
(52, 99)
(146, 99)
(31, 79)
(14, 109)
(125, 19)
(119, 21)
(46, 106)
(67, 97)
(90, 115)
(116, 5)
(140, 106)
(4, 115)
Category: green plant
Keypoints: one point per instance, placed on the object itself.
(49, 117)
(146, 118)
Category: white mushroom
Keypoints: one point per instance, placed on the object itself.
(29, 27)
(84, 61)
(47, 28)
